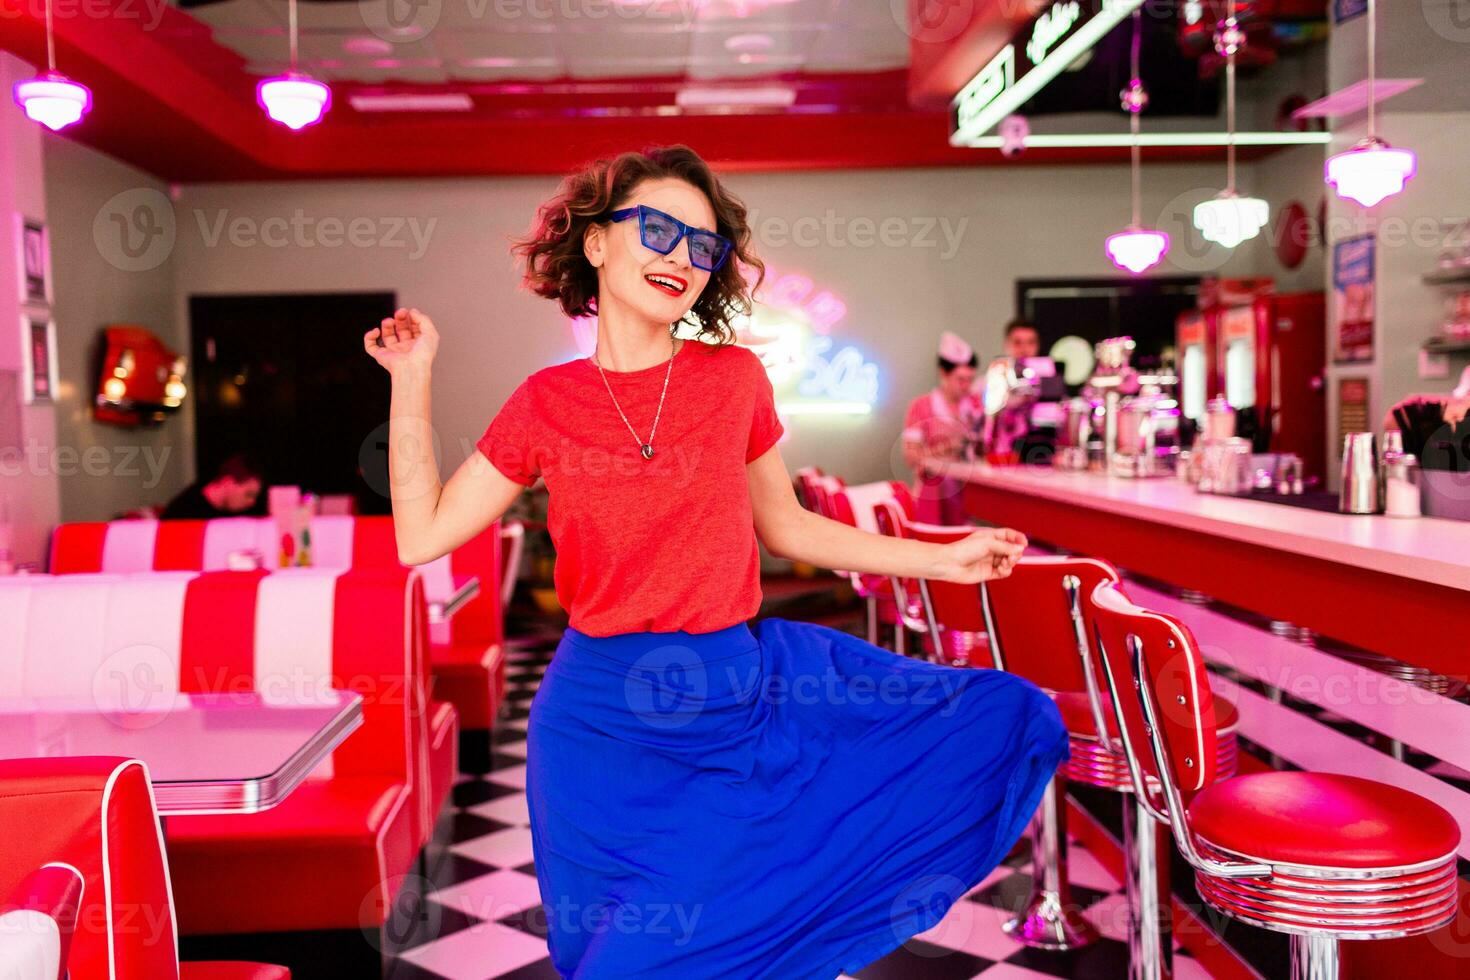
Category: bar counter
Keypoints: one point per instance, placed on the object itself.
(1395, 586)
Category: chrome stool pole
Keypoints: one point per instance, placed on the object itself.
(1314, 957)
(1150, 916)
(1050, 920)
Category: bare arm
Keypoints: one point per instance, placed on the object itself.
(429, 519)
(788, 530)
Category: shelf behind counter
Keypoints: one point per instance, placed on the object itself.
(1395, 586)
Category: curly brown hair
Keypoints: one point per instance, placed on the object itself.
(557, 268)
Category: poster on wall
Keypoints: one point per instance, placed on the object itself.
(1348, 9)
(39, 378)
(1352, 300)
(35, 277)
(1353, 409)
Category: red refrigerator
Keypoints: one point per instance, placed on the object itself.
(1271, 354)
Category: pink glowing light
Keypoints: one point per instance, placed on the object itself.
(293, 99)
(1137, 249)
(53, 100)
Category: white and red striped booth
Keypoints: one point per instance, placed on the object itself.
(333, 851)
(466, 654)
(37, 922)
(84, 863)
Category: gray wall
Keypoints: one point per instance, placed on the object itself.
(28, 470)
(1003, 225)
(99, 282)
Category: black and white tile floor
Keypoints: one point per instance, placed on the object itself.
(482, 920)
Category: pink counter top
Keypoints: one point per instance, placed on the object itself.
(1424, 549)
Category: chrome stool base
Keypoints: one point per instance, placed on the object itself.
(1050, 920)
(1049, 924)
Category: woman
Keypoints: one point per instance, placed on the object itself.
(940, 425)
(709, 799)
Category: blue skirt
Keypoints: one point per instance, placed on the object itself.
(784, 801)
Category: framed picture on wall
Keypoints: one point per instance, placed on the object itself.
(38, 375)
(35, 261)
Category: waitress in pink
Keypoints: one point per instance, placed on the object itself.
(707, 798)
(940, 425)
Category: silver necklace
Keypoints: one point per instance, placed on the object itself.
(646, 448)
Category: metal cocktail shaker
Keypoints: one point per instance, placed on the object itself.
(1360, 478)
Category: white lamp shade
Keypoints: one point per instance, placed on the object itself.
(1230, 219)
(1371, 171)
(53, 100)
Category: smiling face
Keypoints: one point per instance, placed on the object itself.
(638, 280)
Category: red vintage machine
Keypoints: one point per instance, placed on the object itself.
(1265, 353)
(141, 381)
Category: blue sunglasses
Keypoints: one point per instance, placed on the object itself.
(663, 233)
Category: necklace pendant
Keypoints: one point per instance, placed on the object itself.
(647, 451)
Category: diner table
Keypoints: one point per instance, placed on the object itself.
(206, 753)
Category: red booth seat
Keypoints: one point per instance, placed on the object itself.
(467, 660)
(466, 654)
(329, 855)
(91, 822)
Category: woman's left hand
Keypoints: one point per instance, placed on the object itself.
(986, 554)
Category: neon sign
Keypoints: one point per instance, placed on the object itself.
(790, 329)
(1050, 28)
(1063, 33)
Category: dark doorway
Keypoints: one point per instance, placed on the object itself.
(1096, 309)
(284, 378)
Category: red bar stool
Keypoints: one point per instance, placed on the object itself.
(953, 615)
(1037, 620)
(1320, 857)
(853, 505)
(1034, 620)
(893, 520)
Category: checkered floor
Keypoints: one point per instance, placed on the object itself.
(483, 919)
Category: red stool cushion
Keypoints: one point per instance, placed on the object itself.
(1077, 713)
(1324, 820)
(232, 971)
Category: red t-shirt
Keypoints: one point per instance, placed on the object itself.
(653, 545)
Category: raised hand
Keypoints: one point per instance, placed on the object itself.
(984, 555)
(405, 341)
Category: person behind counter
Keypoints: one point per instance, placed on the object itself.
(234, 490)
(1009, 427)
(1022, 340)
(940, 424)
